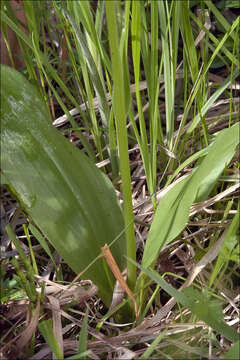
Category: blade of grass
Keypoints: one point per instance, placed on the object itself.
(228, 245)
(211, 100)
(220, 44)
(197, 303)
(24, 282)
(94, 32)
(189, 45)
(154, 344)
(82, 341)
(221, 19)
(30, 329)
(42, 242)
(138, 12)
(26, 262)
(96, 80)
(119, 108)
(83, 355)
(204, 109)
(153, 97)
(168, 70)
(42, 59)
(46, 329)
(34, 263)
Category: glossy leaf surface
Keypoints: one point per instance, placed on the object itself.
(72, 202)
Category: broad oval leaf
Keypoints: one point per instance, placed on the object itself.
(72, 202)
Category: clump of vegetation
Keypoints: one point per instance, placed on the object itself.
(120, 173)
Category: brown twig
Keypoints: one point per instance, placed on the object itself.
(117, 273)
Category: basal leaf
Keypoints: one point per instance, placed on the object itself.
(67, 196)
(219, 155)
(173, 210)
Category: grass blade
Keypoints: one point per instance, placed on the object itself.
(120, 112)
(82, 342)
(199, 304)
(46, 329)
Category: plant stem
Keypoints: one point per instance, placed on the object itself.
(120, 112)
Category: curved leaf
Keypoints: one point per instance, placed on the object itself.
(198, 303)
(173, 210)
(67, 196)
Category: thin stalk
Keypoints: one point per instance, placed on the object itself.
(164, 18)
(153, 97)
(137, 35)
(119, 108)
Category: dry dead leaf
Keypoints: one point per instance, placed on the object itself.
(29, 331)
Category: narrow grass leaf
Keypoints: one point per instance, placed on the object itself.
(154, 344)
(23, 256)
(189, 45)
(139, 37)
(96, 80)
(83, 355)
(34, 263)
(211, 101)
(210, 312)
(82, 341)
(198, 303)
(56, 320)
(220, 44)
(168, 70)
(25, 281)
(46, 329)
(185, 163)
(221, 19)
(42, 242)
(120, 113)
(230, 242)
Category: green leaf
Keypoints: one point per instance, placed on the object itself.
(147, 353)
(82, 342)
(46, 329)
(198, 303)
(83, 355)
(119, 110)
(98, 86)
(210, 312)
(187, 33)
(219, 155)
(206, 107)
(234, 352)
(173, 210)
(67, 196)
(226, 252)
(42, 242)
